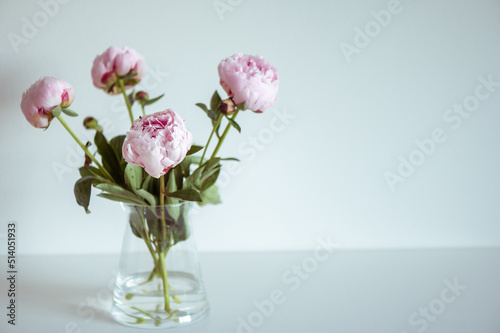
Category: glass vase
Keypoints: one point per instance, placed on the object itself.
(159, 282)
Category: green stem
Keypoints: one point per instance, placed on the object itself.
(164, 278)
(143, 311)
(85, 149)
(143, 111)
(127, 101)
(147, 240)
(221, 140)
(162, 203)
(162, 253)
(216, 125)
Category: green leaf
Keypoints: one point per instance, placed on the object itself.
(84, 172)
(153, 100)
(185, 165)
(135, 220)
(117, 144)
(234, 124)
(119, 191)
(210, 179)
(180, 230)
(172, 212)
(82, 190)
(151, 199)
(96, 173)
(92, 171)
(194, 160)
(56, 112)
(118, 198)
(208, 172)
(210, 167)
(171, 184)
(212, 163)
(188, 195)
(214, 123)
(69, 112)
(170, 187)
(214, 116)
(210, 196)
(133, 176)
(145, 184)
(241, 106)
(203, 107)
(230, 159)
(194, 149)
(194, 179)
(109, 157)
(214, 101)
(178, 177)
(154, 221)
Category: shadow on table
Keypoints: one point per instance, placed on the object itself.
(79, 304)
(59, 293)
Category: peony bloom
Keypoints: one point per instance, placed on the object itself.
(249, 79)
(42, 97)
(157, 142)
(117, 63)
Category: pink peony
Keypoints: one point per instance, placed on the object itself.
(249, 79)
(117, 63)
(157, 142)
(42, 97)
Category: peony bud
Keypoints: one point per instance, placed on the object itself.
(42, 97)
(141, 96)
(227, 106)
(116, 64)
(92, 123)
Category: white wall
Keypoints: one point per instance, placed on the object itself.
(323, 172)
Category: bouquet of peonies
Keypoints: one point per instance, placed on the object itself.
(154, 163)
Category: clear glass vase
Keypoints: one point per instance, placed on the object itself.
(159, 282)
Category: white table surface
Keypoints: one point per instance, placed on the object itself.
(350, 291)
